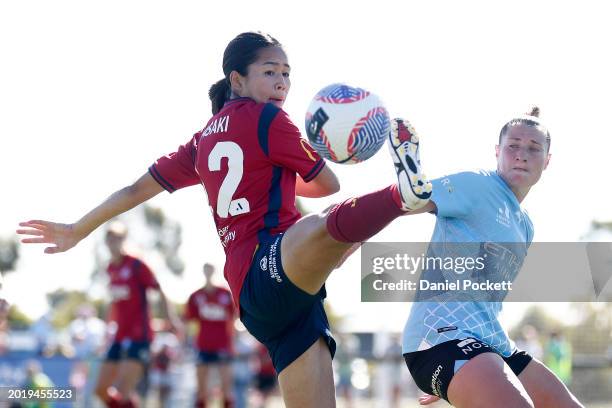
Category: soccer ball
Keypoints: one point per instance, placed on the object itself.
(346, 124)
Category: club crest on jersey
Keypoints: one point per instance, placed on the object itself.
(125, 273)
(219, 125)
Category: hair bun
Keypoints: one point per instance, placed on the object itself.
(535, 111)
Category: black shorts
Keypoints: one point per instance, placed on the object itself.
(129, 350)
(276, 312)
(434, 368)
(214, 357)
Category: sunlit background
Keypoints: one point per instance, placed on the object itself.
(91, 93)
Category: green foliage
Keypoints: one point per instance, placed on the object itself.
(537, 317)
(17, 319)
(65, 305)
(9, 254)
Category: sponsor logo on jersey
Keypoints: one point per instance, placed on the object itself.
(119, 292)
(435, 383)
(447, 328)
(469, 345)
(125, 272)
(272, 262)
(503, 215)
(263, 264)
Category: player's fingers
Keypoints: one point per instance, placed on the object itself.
(30, 232)
(34, 224)
(428, 399)
(38, 240)
(52, 250)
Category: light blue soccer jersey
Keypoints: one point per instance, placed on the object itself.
(474, 210)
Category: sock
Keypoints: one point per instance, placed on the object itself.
(358, 219)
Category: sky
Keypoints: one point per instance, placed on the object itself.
(91, 93)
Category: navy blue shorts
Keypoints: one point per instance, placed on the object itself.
(129, 350)
(214, 357)
(280, 315)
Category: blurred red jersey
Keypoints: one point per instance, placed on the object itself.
(129, 281)
(246, 157)
(214, 311)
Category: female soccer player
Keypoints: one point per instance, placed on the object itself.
(212, 307)
(128, 355)
(457, 350)
(247, 157)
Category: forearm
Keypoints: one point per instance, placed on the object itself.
(167, 309)
(326, 183)
(117, 203)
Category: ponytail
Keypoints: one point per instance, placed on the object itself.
(218, 94)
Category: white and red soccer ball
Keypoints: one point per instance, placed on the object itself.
(345, 124)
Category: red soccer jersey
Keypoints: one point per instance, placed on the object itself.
(214, 312)
(129, 281)
(246, 157)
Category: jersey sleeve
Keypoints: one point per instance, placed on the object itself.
(177, 170)
(285, 146)
(145, 275)
(455, 195)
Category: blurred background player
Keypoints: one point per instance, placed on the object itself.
(165, 353)
(128, 354)
(211, 306)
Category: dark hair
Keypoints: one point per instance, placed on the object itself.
(241, 52)
(531, 118)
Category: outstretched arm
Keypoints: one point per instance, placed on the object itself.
(62, 237)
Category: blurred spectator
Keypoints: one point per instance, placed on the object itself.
(87, 335)
(558, 357)
(265, 375)
(388, 374)
(164, 352)
(4, 312)
(529, 341)
(43, 332)
(244, 346)
(347, 347)
(36, 379)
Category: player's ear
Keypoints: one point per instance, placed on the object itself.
(236, 82)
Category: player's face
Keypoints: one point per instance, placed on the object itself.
(114, 243)
(267, 78)
(208, 272)
(522, 156)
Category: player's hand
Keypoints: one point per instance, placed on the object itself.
(176, 327)
(428, 399)
(62, 237)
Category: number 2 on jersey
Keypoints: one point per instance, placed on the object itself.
(235, 159)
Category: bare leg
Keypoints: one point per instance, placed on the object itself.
(545, 389)
(486, 381)
(308, 381)
(106, 378)
(130, 373)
